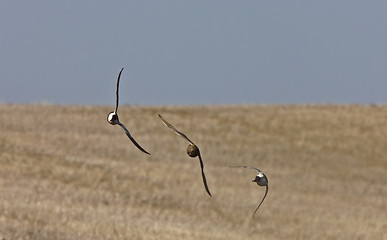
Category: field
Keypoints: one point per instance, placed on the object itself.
(65, 173)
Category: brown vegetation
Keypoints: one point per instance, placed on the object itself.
(65, 173)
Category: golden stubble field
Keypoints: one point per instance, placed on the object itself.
(65, 173)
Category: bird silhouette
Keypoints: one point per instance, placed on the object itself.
(113, 119)
(260, 179)
(192, 151)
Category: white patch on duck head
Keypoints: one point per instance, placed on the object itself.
(112, 118)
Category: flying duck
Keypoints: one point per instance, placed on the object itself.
(260, 179)
(112, 117)
(192, 150)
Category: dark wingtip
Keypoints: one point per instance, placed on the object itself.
(205, 184)
(141, 149)
(161, 118)
(208, 191)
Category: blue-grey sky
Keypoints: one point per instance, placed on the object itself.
(193, 52)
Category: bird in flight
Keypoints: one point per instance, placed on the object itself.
(112, 118)
(260, 179)
(192, 151)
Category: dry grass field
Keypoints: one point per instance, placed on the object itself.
(65, 173)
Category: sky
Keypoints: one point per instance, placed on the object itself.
(193, 52)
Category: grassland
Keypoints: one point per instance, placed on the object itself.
(65, 173)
